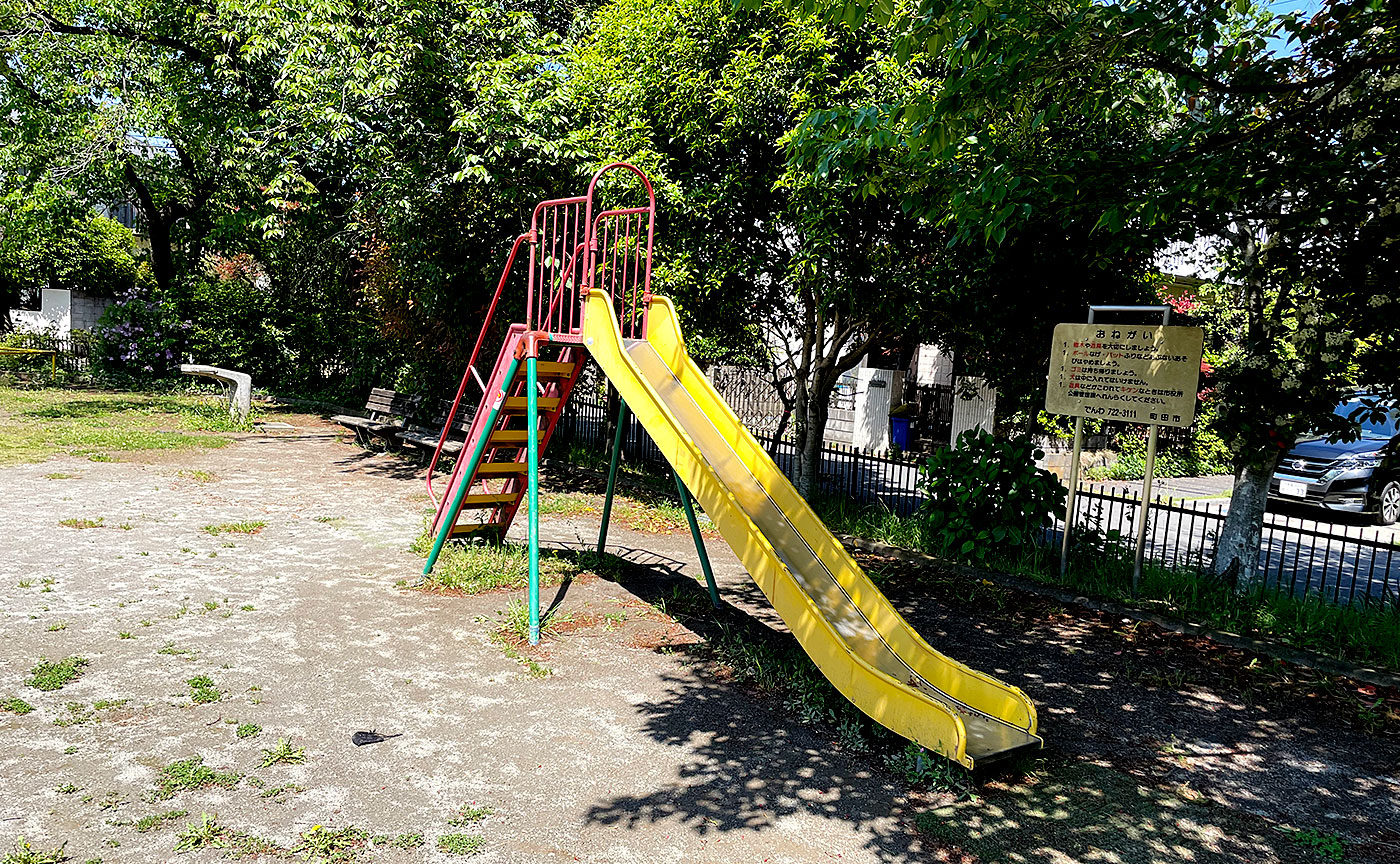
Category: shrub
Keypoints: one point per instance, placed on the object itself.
(986, 495)
(1204, 456)
(140, 335)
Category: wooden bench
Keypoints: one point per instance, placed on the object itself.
(427, 438)
(389, 413)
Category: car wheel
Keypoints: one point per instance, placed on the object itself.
(1388, 511)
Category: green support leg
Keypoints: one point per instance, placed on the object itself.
(445, 530)
(699, 541)
(532, 448)
(612, 474)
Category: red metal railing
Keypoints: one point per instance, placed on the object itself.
(471, 371)
(572, 251)
(576, 248)
(620, 244)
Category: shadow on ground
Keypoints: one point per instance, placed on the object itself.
(746, 778)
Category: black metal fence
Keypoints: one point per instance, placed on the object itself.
(71, 354)
(1298, 555)
(1343, 563)
(846, 471)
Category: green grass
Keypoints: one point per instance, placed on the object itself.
(52, 676)
(200, 476)
(156, 820)
(478, 567)
(81, 522)
(190, 774)
(16, 705)
(283, 753)
(461, 844)
(203, 691)
(38, 423)
(247, 730)
(514, 622)
(23, 853)
(234, 528)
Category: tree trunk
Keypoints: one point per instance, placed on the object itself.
(162, 260)
(1237, 549)
(811, 431)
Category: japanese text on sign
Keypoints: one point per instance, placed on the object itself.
(1138, 374)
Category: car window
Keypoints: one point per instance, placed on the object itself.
(1387, 428)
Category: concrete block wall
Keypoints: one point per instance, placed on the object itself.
(61, 312)
(86, 310)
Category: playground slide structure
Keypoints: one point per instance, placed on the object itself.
(843, 622)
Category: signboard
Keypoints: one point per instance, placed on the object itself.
(1131, 373)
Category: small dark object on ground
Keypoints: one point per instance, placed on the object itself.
(360, 739)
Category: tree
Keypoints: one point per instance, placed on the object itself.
(50, 239)
(165, 93)
(358, 143)
(759, 258)
(1284, 152)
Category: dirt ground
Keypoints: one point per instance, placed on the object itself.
(635, 749)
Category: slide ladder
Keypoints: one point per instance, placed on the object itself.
(593, 295)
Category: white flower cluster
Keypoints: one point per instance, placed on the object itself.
(1379, 300)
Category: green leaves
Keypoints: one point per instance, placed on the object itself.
(986, 496)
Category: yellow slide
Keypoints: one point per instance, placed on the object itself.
(858, 640)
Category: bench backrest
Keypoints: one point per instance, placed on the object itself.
(462, 423)
(391, 404)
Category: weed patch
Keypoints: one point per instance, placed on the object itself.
(461, 844)
(283, 753)
(52, 676)
(202, 690)
(468, 815)
(1329, 846)
(23, 853)
(206, 834)
(189, 774)
(156, 820)
(478, 567)
(234, 528)
(16, 705)
(77, 715)
(247, 730)
(339, 844)
(81, 522)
